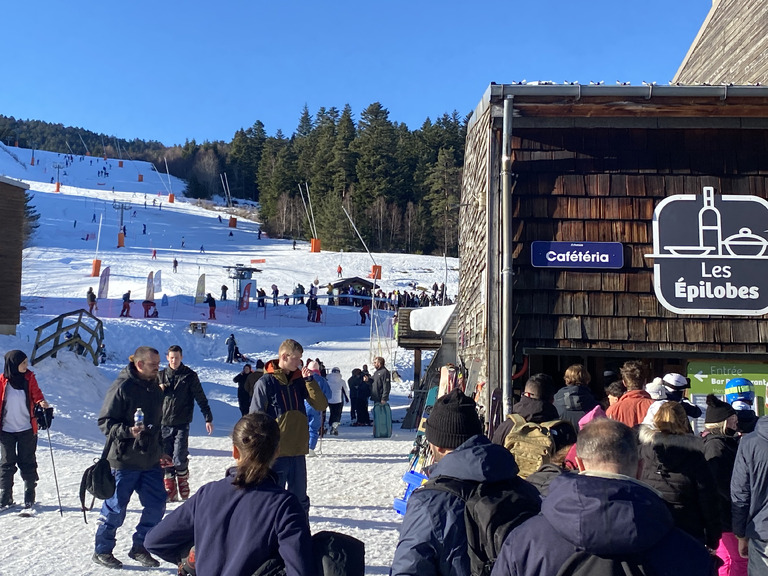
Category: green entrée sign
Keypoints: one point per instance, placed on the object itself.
(711, 377)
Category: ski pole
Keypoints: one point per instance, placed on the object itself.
(53, 464)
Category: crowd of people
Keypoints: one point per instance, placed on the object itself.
(626, 482)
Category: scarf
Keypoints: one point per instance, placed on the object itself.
(16, 379)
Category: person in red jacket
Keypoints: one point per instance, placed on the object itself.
(19, 393)
(632, 407)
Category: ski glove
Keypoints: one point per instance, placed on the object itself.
(43, 416)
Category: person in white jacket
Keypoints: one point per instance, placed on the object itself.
(339, 395)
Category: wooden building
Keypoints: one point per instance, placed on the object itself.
(12, 224)
(731, 46)
(592, 164)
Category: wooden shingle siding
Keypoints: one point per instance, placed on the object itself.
(731, 46)
(11, 223)
(594, 169)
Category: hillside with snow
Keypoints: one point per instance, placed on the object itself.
(354, 481)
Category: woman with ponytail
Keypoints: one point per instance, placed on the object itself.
(243, 521)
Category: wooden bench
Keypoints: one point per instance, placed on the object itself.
(201, 327)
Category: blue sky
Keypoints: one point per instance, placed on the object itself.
(171, 71)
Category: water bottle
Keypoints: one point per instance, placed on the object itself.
(138, 418)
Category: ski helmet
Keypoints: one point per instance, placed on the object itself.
(739, 389)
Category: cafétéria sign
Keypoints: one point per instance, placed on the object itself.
(710, 254)
(577, 254)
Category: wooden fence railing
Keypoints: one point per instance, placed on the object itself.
(87, 335)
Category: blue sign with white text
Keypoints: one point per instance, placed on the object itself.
(577, 254)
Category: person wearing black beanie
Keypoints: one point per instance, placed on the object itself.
(720, 449)
(452, 421)
(433, 533)
(19, 393)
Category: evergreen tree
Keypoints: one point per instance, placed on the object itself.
(344, 157)
(244, 157)
(444, 182)
(277, 179)
(376, 171)
(31, 217)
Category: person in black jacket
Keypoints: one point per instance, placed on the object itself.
(575, 400)
(135, 454)
(720, 446)
(243, 398)
(211, 301)
(125, 312)
(381, 382)
(181, 388)
(674, 464)
(354, 382)
(749, 494)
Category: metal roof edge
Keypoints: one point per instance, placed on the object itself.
(14, 182)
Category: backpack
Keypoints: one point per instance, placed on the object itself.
(491, 511)
(335, 554)
(97, 480)
(582, 563)
(531, 444)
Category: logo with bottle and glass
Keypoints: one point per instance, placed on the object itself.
(710, 254)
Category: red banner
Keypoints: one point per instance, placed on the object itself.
(245, 299)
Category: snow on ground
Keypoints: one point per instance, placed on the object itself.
(351, 485)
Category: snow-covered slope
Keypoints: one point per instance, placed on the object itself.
(351, 485)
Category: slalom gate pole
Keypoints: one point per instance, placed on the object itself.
(53, 464)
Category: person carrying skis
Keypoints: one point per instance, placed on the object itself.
(181, 388)
(19, 394)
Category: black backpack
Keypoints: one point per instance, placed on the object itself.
(97, 480)
(582, 563)
(491, 511)
(336, 554)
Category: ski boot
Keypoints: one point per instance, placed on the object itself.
(170, 488)
(183, 479)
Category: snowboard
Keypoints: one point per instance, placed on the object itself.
(382, 420)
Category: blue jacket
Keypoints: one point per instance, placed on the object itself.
(749, 484)
(433, 538)
(603, 516)
(236, 530)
